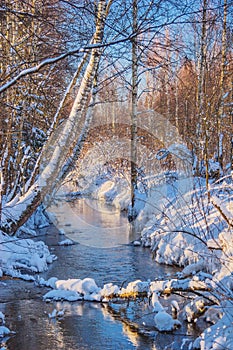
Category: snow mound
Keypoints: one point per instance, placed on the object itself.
(73, 290)
(220, 335)
(109, 289)
(51, 282)
(57, 295)
(16, 254)
(4, 331)
(136, 287)
(66, 242)
(164, 322)
(85, 286)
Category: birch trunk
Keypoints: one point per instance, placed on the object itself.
(200, 98)
(221, 85)
(201, 75)
(20, 209)
(132, 214)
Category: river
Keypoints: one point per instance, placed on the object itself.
(102, 251)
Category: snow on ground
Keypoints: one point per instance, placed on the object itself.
(17, 254)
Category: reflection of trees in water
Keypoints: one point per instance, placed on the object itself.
(89, 328)
(137, 319)
(96, 326)
(118, 324)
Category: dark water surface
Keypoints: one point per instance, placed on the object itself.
(86, 325)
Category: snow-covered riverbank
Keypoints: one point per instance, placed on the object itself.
(186, 230)
(30, 255)
(185, 226)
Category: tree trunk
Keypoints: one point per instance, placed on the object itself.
(132, 214)
(221, 85)
(200, 98)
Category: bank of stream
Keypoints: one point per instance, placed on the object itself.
(107, 256)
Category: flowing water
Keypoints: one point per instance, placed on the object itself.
(101, 251)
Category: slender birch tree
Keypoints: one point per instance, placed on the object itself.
(222, 79)
(134, 100)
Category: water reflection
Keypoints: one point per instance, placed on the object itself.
(85, 326)
(116, 265)
(91, 223)
(30, 321)
(102, 254)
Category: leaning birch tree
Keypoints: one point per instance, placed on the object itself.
(16, 212)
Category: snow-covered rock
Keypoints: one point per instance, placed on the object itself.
(136, 287)
(4, 331)
(51, 282)
(73, 289)
(136, 243)
(165, 322)
(57, 295)
(66, 242)
(109, 289)
(85, 286)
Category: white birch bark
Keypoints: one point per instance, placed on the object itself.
(200, 98)
(221, 85)
(134, 97)
(201, 73)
